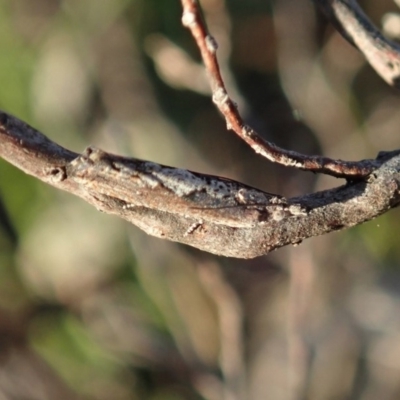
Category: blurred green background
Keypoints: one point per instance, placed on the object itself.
(92, 308)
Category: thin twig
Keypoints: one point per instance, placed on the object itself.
(382, 54)
(193, 20)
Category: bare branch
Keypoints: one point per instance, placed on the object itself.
(382, 54)
(211, 213)
(208, 47)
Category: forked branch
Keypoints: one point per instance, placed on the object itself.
(211, 213)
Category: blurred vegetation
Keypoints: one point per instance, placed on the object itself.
(92, 308)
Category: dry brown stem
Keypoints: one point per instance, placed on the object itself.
(208, 47)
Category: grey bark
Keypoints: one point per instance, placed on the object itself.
(211, 213)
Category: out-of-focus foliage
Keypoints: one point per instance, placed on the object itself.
(92, 308)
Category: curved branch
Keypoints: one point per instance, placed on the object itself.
(350, 20)
(211, 213)
(192, 19)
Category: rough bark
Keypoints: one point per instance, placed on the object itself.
(211, 213)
